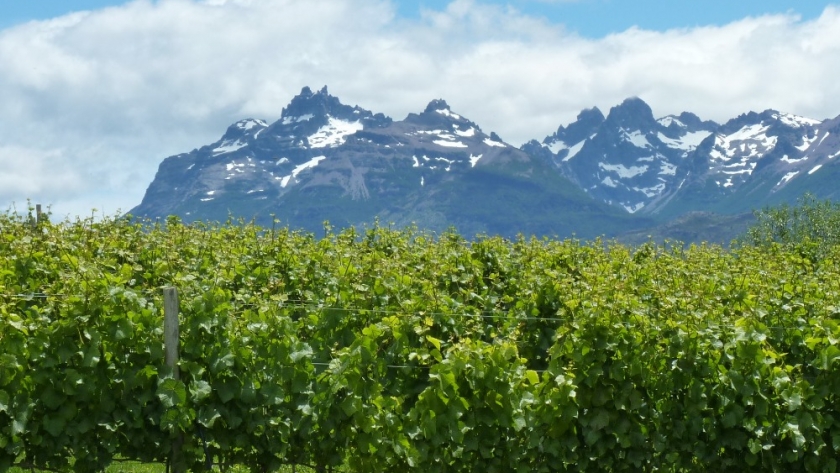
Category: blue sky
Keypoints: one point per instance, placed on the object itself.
(92, 104)
(589, 18)
(597, 18)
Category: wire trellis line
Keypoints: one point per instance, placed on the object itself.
(320, 307)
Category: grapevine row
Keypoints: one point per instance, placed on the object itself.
(387, 349)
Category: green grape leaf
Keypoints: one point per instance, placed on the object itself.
(532, 376)
(55, 425)
(200, 390)
(207, 416)
(434, 341)
(172, 392)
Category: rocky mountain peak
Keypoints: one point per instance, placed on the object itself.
(312, 105)
(686, 122)
(317, 120)
(249, 126)
(437, 105)
(326, 160)
(588, 120)
(439, 115)
(590, 115)
(632, 114)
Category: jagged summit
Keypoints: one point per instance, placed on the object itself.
(437, 105)
(681, 163)
(627, 158)
(439, 115)
(686, 120)
(242, 128)
(590, 115)
(588, 120)
(307, 105)
(325, 160)
(632, 114)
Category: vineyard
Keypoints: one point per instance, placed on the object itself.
(396, 350)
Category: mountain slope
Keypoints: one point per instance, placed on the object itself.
(627, 158)
(755, 160)
(675, 165)
(600, 175)
(323, 160)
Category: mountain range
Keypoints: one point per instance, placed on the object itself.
(622, 173)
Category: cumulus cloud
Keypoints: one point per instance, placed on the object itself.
(92, 102)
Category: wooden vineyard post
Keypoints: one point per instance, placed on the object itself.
(171, 336)
(171, 331)
(34, 220)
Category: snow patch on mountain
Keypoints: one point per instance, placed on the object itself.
(687, 142)
(303, 118)
(607, 181)
(247, 124)
(795, 121)
(823, 138)
(788, 160)
(633, 208)
(622, 170)
(447, 113)
(490, 142)
(806, 142)
(450, 144)
(445, 138)
(670, 119)
(667, 169)
(228, 146)
(750, 139)
(334, 133)
(638, 138)
(749, 132)
(787, 177)
(466, 133)
(233, 168)
(651, 191)
(284, 181)
(574, 150)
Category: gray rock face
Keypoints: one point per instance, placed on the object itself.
(669, 166)
(627, 158)
(323, 160)
(755, 160)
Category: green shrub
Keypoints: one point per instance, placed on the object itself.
(811, 227)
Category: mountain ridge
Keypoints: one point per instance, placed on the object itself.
(602, 174)
(323, 160)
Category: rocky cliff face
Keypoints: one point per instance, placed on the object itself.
(627, 158)
(323, 160)
(674, 165)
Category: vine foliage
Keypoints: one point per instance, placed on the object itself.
(389, 350)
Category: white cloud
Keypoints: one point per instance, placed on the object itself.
(92, 102)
